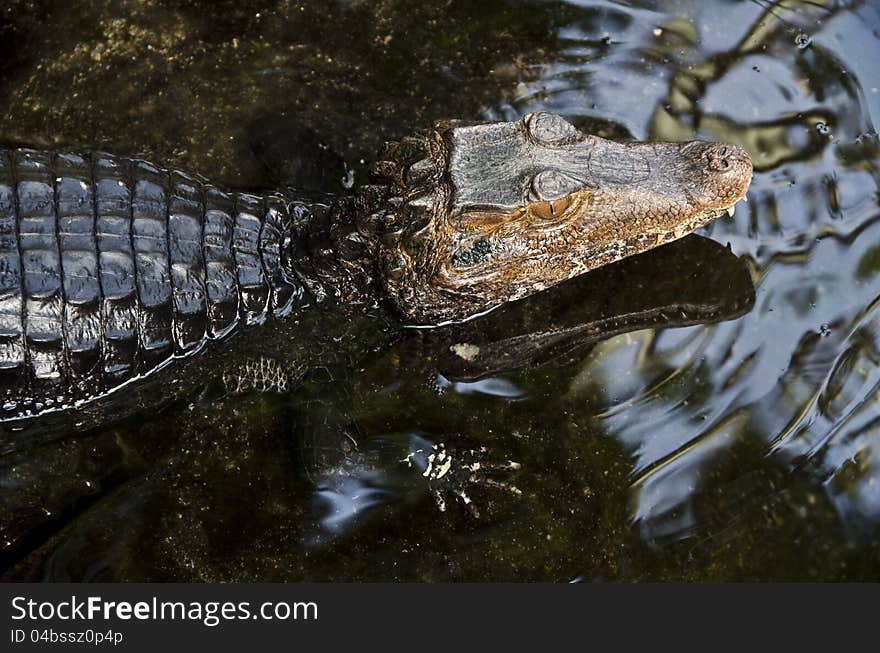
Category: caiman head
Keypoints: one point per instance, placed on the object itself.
(475, 216)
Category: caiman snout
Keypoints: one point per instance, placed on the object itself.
(719, 157)
(717, 176)
(723, 157)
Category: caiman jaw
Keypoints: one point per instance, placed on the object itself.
(490, 213)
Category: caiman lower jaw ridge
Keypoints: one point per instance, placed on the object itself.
(698, 223)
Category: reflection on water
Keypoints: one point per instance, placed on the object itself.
(695, 414)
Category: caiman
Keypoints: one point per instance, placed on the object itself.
(112, 268)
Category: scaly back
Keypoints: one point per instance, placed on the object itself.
(111, 267)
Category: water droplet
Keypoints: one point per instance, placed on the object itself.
(825, 330)
(802, 41)
(823, 129)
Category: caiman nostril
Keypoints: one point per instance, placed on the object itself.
(720, 164)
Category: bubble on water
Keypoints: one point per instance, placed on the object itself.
(802, 40)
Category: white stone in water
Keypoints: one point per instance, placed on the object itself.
(465, 350)
(444, 468)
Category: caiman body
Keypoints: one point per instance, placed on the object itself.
(111, 268)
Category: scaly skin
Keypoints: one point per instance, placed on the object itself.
(111, 268)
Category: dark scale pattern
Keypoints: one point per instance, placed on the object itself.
(111, 267)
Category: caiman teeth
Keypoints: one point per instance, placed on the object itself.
(731, 210)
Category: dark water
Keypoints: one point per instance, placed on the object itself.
(691, 432)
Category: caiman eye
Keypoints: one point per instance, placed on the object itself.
(552, 185)
(550, 210)
(550, 129)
